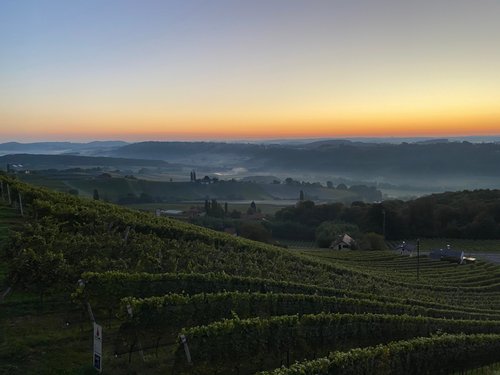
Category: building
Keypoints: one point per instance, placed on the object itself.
(344, 241)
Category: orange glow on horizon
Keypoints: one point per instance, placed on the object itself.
(367, 117)
(246, 129)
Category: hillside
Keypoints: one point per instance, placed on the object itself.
(39, 161)
(459, 159)
(90, 148)
(148, 279)
(401, 169)
(120, 187)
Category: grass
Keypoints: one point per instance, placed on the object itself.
(35, 339)
(296, 244)
(391, 265)
(181, 190)
(35, 343)
(9, 217)
(469, 246)
(266, 208)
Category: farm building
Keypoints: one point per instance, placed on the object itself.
(344, 241)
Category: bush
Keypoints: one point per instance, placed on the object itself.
(372, 241)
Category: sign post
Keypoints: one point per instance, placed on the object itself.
(97, 347)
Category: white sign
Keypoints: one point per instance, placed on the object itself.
(97, 347)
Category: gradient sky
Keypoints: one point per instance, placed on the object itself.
(192, 69)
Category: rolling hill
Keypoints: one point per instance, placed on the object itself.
(240, 306)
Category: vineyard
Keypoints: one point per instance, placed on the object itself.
(175, 298)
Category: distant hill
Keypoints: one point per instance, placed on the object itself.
(35, 161)
(435, 164)
(195, 153)
(429, 141)
(59, 147)
(431, 158)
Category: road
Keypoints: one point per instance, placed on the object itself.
(490, 257)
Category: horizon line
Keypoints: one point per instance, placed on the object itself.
(253, 140)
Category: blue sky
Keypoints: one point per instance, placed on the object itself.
(224, 69)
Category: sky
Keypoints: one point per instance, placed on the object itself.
(255, 69)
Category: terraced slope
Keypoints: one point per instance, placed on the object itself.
(242, 306)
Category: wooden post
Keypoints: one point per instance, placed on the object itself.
(137, 339)
(1, 187)
(8, 194)
(5, 293)
(127, 231)
(141, 351)
(186, 349)
(418, 259)
(20, 204)
(91, 313)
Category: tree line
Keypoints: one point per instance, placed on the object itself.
(467, 214)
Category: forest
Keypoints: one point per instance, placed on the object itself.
(466, 214)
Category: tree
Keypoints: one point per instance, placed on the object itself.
(146, 198)
(252, 209)
(483, 227)
(214, 209)
(193, 176)
(329, 184)
(73, 191)
(254, 231)
(372, 241)
(235, 214)
(301, 195)
(96, 195)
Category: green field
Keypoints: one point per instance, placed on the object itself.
(265, 208)
(243, 306)
(468, 246)
(116, 187)
(390, 264)
(33, 336)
